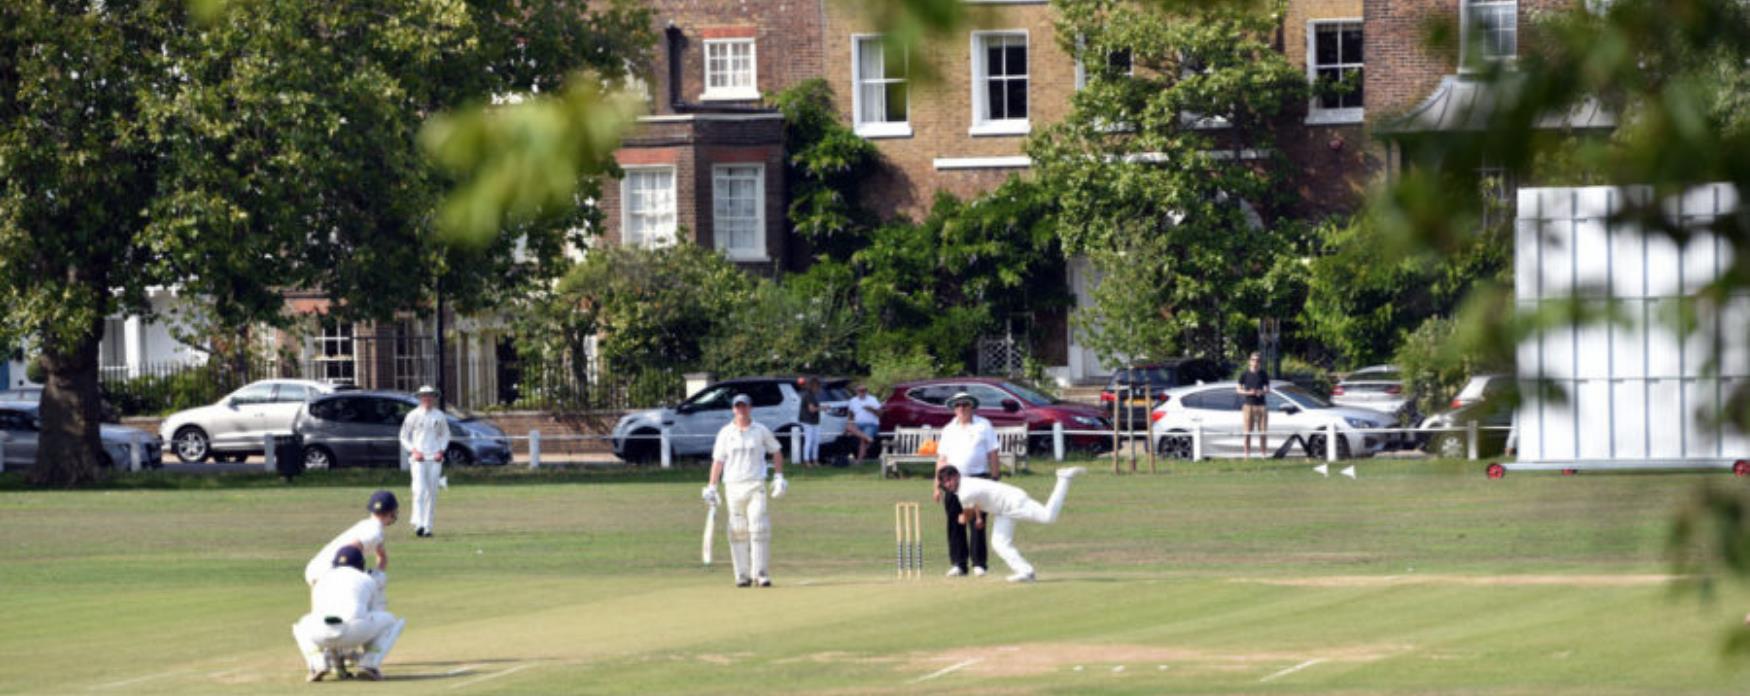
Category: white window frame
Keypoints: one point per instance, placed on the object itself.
(980, 95)
(1082, 68)
(626, 213)
(732, 93)
(721, 240)
(1466, 63)
(341, 365)
(876, 129)
(1314, 113)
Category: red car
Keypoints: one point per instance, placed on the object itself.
(1003, 403)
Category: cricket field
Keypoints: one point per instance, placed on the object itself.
(1217, 578)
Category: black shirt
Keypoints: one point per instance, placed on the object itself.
(1254, 380)
(808, 415)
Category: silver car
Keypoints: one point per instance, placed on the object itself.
(21, 424)
(693, 424)
(234, 428)
(1378, 388)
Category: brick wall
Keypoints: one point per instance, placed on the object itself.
(786, 33)
(1401, 72)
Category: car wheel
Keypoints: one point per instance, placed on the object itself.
(1174, 446)
(191, 445)
(641, 447)
(319, 457)
(459, 456)
(1450, 446)
(1316, 444)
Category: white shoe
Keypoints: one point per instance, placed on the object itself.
(1023, 577)
(1071, 472)
(978, 571)
(443, 483)
(955, 571)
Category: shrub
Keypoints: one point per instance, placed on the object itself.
(889, 369)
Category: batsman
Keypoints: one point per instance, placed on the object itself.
(739, 460)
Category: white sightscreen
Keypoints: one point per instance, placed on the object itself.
(1637, 388)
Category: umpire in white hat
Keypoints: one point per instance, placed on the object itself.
(969, 445)
(425, 435)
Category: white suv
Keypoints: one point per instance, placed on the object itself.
(234, 428)
(693, 424)
(1293, 411)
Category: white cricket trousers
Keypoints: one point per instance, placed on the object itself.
(375, 633)
(810, 443)
(425, 486)
(1002, 527)
(750, 530)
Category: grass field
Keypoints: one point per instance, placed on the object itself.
(1218, 578)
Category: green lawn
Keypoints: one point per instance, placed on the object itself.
(1219, 577)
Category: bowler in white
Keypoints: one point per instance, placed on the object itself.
(739, 460)
(425, 435)
(1006, 504)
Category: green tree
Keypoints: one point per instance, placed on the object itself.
(261, 146)
(650, 308)
(1159, 177)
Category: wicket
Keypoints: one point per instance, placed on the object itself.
(908, 533)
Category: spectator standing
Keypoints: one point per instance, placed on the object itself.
(1254, 411)
(810, 420)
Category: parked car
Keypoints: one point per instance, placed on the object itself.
(1493, 418)
(1003, 403)
(1379, 388)
(1481, 388)
(34, 395)
(233, 428)
(21, 424)
(1293, 411)
(1139, 388)
(694, 422)
(363, 428)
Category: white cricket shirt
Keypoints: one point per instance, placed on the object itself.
(968, 447)
(859, 403)
(343, 592)
(994, 497)
(367, 533)
(743, 452)
(425, 431)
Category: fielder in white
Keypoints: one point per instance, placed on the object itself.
(366, 536)
(1006, 503)
(739, 461)
(425, 435)
(346, 615)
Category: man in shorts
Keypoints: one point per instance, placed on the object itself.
(1254, 409)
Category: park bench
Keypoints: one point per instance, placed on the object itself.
(903, 450)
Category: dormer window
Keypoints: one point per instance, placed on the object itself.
(1490, 31)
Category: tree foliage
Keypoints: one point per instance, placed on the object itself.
(1159, 177)
(261, 146)
(651, 307)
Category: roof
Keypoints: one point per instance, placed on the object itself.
(1464, 103)
(950, 380)
(385, 393)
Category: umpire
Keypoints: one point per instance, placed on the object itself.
(969, 444)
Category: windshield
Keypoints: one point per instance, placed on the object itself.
(1300, 396)
(1028, 395)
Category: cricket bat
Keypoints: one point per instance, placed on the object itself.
(710, 531)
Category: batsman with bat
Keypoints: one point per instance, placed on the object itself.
(739, 460)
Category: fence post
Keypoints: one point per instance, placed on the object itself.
(796, 445)
(1331, 441)
(534, 449)
(134, 455)
(667, 450)
(268, 454)
(1057, 440)
(1197, 442)
(2, 454)
(1470, 436)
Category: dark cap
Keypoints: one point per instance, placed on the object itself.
(383, 501)
(946, 472)
(741, 399)
(350, 556)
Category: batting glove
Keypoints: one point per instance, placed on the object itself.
(709, 495)
(779, 485)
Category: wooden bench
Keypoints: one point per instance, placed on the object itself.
(903, 449)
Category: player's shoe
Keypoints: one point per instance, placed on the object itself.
(369, 674)
(316, 675)
(978, 571)
(743, 582)
(955, 571)
(1071, 472)
(1023, 577)
(763, 582)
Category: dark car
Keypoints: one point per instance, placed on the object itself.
(34, 395)
(21, 427)
(363, 428)
(1003, 403)
(1494, 419)
(1139, 388)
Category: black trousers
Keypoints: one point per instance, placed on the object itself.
(966, 542)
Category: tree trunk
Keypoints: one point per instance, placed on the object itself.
(69, 450)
